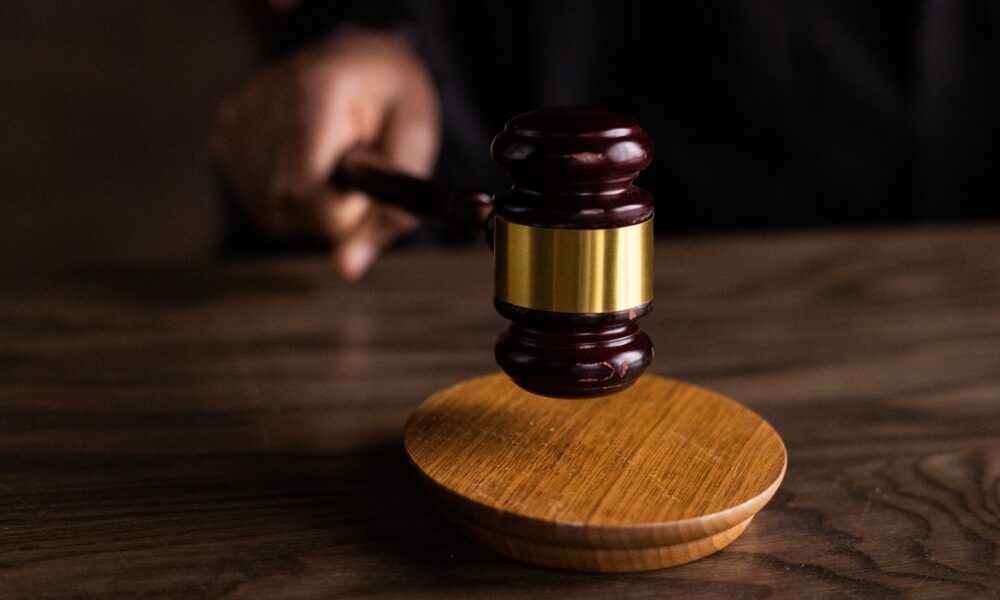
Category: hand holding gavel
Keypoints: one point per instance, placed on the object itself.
(291, 143)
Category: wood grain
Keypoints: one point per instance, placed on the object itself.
(234, 430)
(657, 475)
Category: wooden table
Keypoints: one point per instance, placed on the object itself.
(234, 430)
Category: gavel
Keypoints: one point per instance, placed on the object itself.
(572, 239)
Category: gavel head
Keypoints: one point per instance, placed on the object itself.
(573, 241)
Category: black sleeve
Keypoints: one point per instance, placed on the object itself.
(314, 20)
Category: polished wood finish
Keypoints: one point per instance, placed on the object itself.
(464, 212)
(573, 167)
(235, 430)
(573, 355)
(657, 475)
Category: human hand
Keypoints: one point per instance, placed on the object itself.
(281, 137)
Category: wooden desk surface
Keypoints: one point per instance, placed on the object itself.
(234, 430)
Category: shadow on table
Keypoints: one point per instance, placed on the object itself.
(387, 519)
(392, 539)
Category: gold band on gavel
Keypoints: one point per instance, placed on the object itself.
(574, 270)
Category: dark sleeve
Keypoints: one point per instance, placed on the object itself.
(314, 20)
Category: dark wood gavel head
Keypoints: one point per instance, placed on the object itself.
(573, 240)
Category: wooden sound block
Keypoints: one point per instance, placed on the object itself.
(657, 475)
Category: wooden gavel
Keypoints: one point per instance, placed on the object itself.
(572, 239)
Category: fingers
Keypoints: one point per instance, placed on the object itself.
(409, 138)
(354, 255)
(412, 132)
(321, 127)
(343, 212)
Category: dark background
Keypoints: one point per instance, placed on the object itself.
(105, 112)
(780, 113)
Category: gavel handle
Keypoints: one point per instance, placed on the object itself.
(368, 172)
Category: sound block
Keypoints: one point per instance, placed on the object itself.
(660, 474)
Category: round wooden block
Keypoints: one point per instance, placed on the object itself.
(658, 475)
